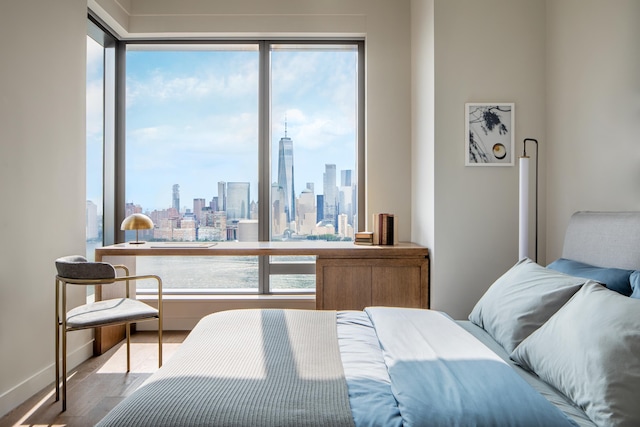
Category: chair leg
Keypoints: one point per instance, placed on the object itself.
(159, 342)
(128, 334)
(64, 367)
(57, 358)
(57, 361)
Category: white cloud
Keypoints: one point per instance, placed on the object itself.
(198, 86)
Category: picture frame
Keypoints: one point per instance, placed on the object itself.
(489, 133)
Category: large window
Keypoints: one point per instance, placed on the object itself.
(213, 128)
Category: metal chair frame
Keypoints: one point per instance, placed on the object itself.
(61, 321)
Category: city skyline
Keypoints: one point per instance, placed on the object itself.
(240, 212)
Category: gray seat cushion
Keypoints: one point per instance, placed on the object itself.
(112, 311)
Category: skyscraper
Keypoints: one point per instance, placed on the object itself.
(330, 191)
(306, 212)
(222, 196)
(237, 200)
(345, 178)
(346, 195)
(198, 205)
(320, 207)
(285, 176)
(176, 197)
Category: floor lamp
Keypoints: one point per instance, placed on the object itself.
(523, 229)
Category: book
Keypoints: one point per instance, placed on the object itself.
(374, 227)
(364, 235)
(364, 238)
(385, 226)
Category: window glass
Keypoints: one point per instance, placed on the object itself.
(314, 113)
(192, 140)
(224, 274)
(95, 144)
(192, 156)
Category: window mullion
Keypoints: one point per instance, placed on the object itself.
(264, 172)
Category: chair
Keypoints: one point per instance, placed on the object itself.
(76, 270)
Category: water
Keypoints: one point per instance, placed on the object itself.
(215, 273)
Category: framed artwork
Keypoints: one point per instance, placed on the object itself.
(489, 134)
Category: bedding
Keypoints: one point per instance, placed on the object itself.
(541, 347)
(598, 367)
(273, 371)
(521, 300)
(246, 368)
(549, 392)
(443, 376)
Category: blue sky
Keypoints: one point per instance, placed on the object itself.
(192, 119)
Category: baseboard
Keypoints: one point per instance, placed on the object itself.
(15, 396)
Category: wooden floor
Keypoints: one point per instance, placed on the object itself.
(97, 385)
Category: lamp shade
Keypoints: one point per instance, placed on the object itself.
(136, 221)
(523, 223)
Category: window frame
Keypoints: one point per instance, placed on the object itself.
(115, 148)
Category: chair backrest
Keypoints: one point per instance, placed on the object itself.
(77, 267)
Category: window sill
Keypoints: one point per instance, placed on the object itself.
(151, 297)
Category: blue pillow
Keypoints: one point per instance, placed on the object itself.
(616, 279)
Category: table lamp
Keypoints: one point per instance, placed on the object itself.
(136, 221)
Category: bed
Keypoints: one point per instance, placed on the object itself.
(555, 345)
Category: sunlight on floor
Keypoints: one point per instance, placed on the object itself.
(22, 422)
(144, 358)
(97, 385)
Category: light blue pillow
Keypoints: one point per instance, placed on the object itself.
(634, 280)
(590, 351)
(616, 279)
(521, 300)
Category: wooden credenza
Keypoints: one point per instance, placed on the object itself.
(396, 276)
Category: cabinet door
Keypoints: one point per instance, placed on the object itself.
(342, 286)
(398, 283)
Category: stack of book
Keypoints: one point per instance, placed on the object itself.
(384, 231)
(385, 228)
(364, 238)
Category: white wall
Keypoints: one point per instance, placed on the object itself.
(485, 51)
(593, 110)
(42, 114)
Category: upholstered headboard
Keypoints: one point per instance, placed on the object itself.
(604, 239)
